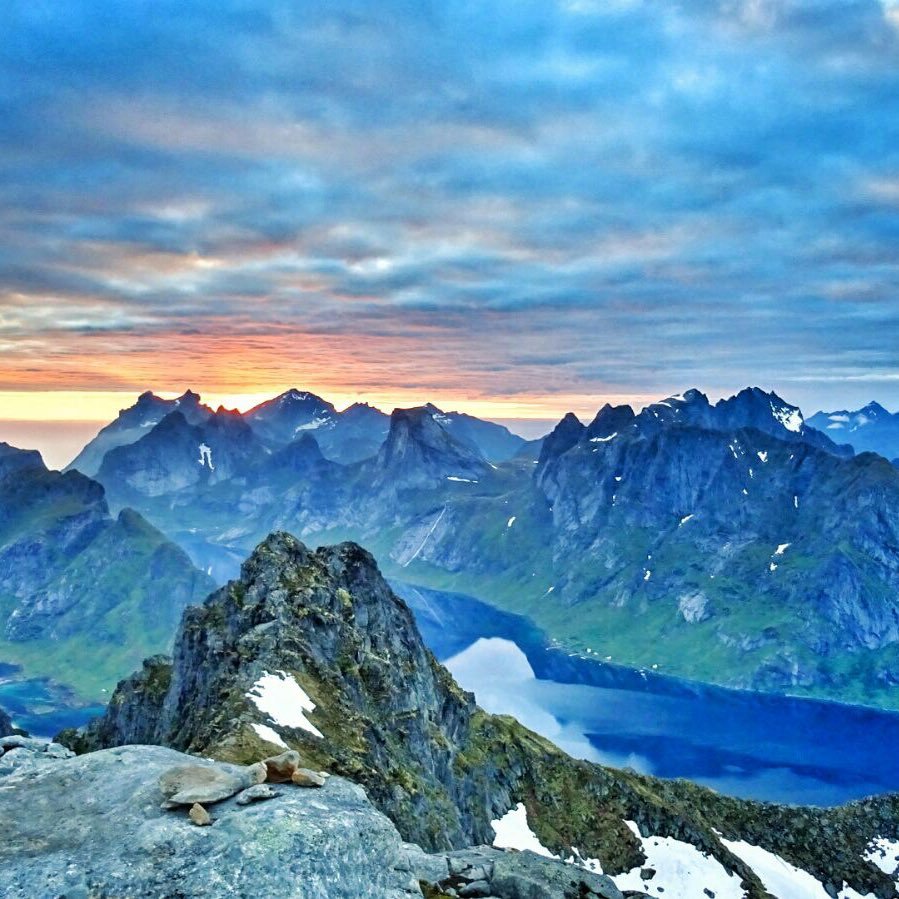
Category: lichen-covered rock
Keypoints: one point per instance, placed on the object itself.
(19, 753)
(94, 828)
(485, 871)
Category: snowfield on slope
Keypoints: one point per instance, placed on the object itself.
(284, 700)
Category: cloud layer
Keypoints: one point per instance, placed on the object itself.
(498, 199)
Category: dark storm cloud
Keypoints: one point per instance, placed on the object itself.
(636, 195)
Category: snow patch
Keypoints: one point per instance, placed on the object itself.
(313, 425)
(795, 502)
(685, 519)
(269, 734)
(452, 477)
(511, 521)
(763, 456)
(780, 877)
(206, 457)
(647, 575)
(513, 832)
(781, 549)
(772, 567)
(885, 854)
(790, 418)
(681, 870)
(604, 439)
(284, 700)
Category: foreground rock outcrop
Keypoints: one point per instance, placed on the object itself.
(94, 827)
(312, 651)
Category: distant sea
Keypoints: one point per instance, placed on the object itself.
(58, 441)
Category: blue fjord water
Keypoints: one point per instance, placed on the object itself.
(747, 744)
(40, 706)
(753, 745)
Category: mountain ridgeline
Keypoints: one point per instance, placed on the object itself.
(871, 429)
(728, 542)
(312, 650)
(74, 581)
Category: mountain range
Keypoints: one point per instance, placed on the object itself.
(871, 429)
(728, 542)
(349, 436)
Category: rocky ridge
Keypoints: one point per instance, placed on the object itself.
(313, 651)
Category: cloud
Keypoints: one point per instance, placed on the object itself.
(549, 198)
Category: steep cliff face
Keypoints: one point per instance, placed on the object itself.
(420, 452)
(312, 650)
(178, 456)
(5, 724)
(780, 549)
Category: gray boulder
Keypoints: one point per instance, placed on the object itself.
(116, 841)
(18, 753)
(206, 784)
(484, 871)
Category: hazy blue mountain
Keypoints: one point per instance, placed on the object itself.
(282, 420)
(421, 451)
(494, 442)
(871, 429)
(729, 542)
(350, 436)
(750, 408)
(133, 423)
(77, 584)
(346, 437)
(177, 456)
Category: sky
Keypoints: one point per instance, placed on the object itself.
(511, 208)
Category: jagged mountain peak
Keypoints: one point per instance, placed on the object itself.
(290, 398)
(610, 420)
(281, 420)
(419, 451)
(561, 438)
(872, 428)
(874, 409)
(693, 395)
(298, 456)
